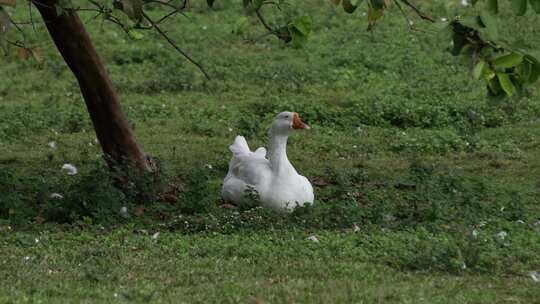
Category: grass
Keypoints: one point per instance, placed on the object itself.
(275, 266)
(441, 181)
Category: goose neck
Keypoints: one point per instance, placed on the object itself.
(278, 153)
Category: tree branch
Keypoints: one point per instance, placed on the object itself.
(173, 44)
(418, 12)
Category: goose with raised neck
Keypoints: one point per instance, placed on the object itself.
(274, 178)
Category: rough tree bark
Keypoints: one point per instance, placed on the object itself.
(111, 125)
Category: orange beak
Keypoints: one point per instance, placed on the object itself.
(298, 124)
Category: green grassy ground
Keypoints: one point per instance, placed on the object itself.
(441, 182)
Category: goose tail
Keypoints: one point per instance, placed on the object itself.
(239, 147)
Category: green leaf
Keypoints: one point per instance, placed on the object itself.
(478, 70)
(525, 70)
(519, 7)
(240, 25)
(506, 84)
(508, 61)
(303, 25)
(535, 5)
(134, 34)
(535, 68)
(495, 87)
(300, 29)
(493, 6)
(473, 22)
(491, 25)
(488, 73)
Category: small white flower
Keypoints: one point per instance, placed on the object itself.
(56, 195)
(411, 23)
(354, 146)
(356, 228)
(208, 166)
(204, 28)
(444, 19)
(71, 169)
(313, 238)
(115, 295)
(230, 129)
(465, 2)
(36, 240)
(502, 235)
(27, 258)
(534, 276)
(155, 236)
(463, 266)
(475, 233)
(124, 211)
(52, 144)
(388, 218)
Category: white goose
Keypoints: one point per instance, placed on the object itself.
(277, 183)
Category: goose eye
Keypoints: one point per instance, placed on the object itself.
(286, 116)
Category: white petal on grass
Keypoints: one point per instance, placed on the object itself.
(534, 275)
(502, 235)
(52, 144)
(313, 238)
(124, 211)
(356, 228)
(71, 169)
(475, 233)
(56, 195)
(155, 236)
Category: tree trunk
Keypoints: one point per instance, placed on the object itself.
(112, 128)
